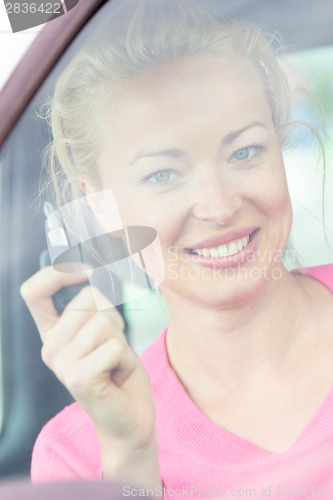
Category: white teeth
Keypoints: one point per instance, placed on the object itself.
(233, 248)
(224, 250)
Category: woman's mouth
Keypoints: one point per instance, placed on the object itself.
(223, 250)
(229, 254)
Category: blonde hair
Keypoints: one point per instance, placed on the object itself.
(138, 36)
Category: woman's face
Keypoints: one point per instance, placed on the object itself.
(191, 150)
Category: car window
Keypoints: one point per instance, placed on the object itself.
(310, 183)
(23, 219)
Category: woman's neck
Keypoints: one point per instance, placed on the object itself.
(239, 347)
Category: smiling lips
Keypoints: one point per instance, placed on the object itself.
(225, 250)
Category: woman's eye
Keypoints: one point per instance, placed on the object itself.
(246, 154)
(159, 177)
(242, 154)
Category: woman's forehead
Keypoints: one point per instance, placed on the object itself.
(186, 86)
(198, 103)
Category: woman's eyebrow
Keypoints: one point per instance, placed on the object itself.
(179, 154)
(171, 153)
(229, 138)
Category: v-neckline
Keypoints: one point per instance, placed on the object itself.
(239, 450)
(202, 433)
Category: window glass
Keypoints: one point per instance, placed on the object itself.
(304, 170)
(312, 200)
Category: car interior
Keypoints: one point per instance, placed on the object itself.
(29, 393)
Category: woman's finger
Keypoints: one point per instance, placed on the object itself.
(37, 292)
(98, 330)
(102, 371)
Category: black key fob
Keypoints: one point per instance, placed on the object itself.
(66, 294)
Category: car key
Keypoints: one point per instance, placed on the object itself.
(57, 238)
(66, 294)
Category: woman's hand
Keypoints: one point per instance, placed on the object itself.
(88, 352)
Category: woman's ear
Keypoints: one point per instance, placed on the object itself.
(104, 206)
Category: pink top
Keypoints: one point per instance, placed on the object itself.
(197, 456)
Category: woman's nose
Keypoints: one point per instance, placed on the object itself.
(216, 199)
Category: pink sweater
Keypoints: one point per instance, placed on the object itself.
(198, 458)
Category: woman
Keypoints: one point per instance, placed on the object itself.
(184, 116)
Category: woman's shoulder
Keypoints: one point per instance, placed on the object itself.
(67, 448)
(323, 273)
(71, 421)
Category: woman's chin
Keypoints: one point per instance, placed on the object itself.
(217, 294)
